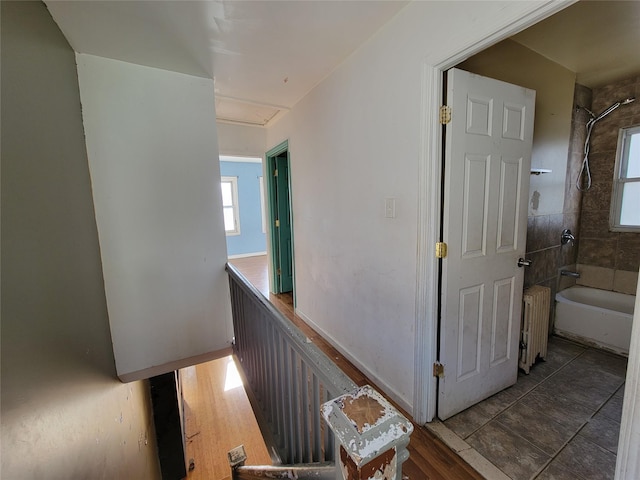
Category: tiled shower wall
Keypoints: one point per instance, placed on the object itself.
(544, 231)
(608, 260)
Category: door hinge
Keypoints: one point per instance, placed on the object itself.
(277, 223)
(445, 114)
(441, 250)
(438, 370)
(275, 172)
(279, 272)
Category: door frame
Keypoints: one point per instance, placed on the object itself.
(270, 158)
(430, 203)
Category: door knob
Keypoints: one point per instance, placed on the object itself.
(522, 262)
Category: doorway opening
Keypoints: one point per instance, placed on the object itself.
(570, 366)
(241, 182)
(281, 249)
(487, 157)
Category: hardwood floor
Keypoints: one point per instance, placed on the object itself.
(255, 270)
(430, 459)
(218, 417)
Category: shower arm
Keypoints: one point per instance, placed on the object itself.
(590, 124)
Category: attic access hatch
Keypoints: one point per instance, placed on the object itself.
(243, 112)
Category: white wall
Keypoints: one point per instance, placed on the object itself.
(153, 158)
(354, 140)
(241, 140)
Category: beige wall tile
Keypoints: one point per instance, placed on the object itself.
(598, 246)
(625, 281)
(596, 277)
(599, 252)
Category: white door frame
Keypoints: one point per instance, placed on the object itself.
(628, 462)
(430, 205)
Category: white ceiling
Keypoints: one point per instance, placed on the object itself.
(599, 40)
(265, 55)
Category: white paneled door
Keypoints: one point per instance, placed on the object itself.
(487, 164)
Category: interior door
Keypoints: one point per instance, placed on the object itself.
(486, 184)
(285, 257)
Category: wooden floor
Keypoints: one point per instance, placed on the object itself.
(218, 417)
(429, 457)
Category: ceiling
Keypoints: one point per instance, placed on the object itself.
(265, 55)
(599, 40)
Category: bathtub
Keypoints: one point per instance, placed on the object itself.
(596, 317)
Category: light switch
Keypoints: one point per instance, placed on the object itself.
(390, 207)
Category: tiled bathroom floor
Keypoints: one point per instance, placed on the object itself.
(559, 422)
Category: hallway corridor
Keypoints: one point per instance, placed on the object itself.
(213, 414)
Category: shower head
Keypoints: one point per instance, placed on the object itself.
(627, 101)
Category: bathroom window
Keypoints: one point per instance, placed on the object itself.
(230, 205)
(625, 214)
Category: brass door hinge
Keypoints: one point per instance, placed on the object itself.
(445, 114)
(277, 223)
(441, 250)
(275, 172)
(279, 272)
(438, 370)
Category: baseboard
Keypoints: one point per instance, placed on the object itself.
(385, 387)
(245, 255)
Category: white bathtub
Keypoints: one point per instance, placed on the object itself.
(597, 317)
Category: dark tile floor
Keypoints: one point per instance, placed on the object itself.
(560, 422)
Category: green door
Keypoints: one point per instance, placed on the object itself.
(279, 200)
(284, 260)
